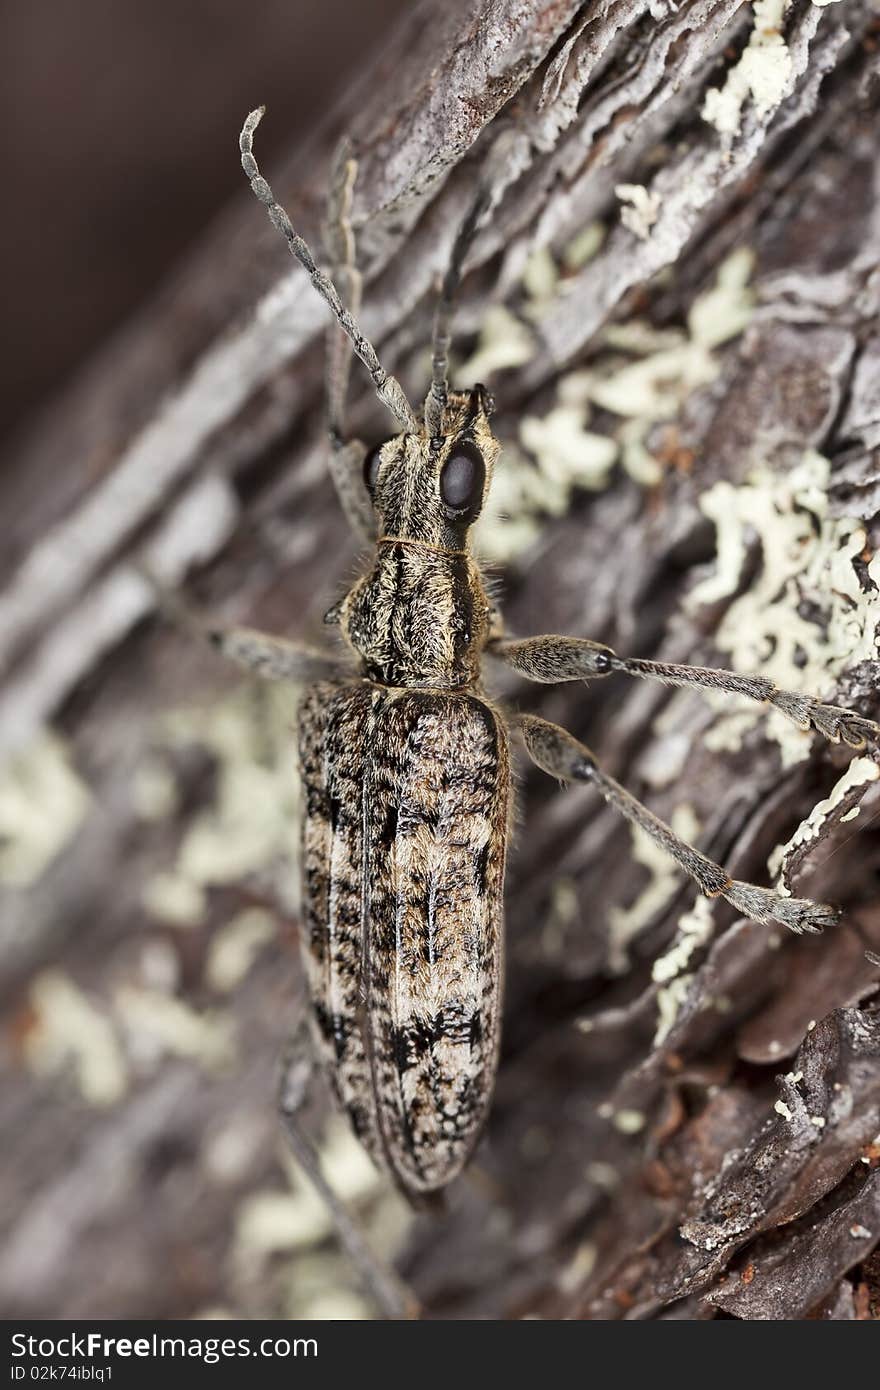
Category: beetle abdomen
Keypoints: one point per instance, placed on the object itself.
(408, 798)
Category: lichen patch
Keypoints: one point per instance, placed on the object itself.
(42, 805)
(69, 1031)
(250, 829)
(860, 773)
(806, 618)
(641, 375)
(640, 208)
(670, 970)
(763, 74)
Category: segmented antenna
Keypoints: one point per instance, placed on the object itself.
(388, 388)
(436, 401)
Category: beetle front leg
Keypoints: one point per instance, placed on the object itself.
(551, 659)
(561, 755)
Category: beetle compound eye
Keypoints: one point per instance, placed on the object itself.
(462, 478)
(371, 465)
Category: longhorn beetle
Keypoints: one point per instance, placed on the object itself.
(405, 760)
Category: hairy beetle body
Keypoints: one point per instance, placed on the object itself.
(407, 804)
(419, 618)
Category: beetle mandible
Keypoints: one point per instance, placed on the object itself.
(405, 760)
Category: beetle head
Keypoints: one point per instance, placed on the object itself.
(431, 488)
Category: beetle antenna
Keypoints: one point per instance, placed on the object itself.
(437, 396)
(388, 388)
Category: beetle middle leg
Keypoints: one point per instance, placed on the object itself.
(558, 753)
(274, 658)
(551, 659)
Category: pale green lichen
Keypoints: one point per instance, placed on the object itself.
(42, 805)
(646, 375)
(159, 1025)
(578, 1269)
(862, 772)
(583, 247)
(628, 1121)
(540, 279)
(726, 309)
(642, 375)
(231, 1148)
(640, 208)
(250, 830)
(154, 791)
(670, 363)
(805, 619)
(236, 946)
(269, 1222)
(669, 970)
(68, 1031)
(173, 898)
(294, 1221)
(694, 930)
(333, 1304)
(763, 72)
(504, 341)
(510, 521)
(562, 912)
(669, 1002)
(567, 454)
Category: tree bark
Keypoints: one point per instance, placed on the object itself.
(686, 244)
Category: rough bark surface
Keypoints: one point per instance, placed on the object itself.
(693, 1141)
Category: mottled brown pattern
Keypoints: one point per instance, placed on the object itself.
(333, 724)
(407, 806)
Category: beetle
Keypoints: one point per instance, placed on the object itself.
(405, 760)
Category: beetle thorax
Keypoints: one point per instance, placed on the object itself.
(419, 618)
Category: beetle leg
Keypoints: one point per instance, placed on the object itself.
(551, 659)
(274, 658)
(390, 1294)
(561, 755)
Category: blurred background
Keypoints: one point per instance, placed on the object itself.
(118, 142)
